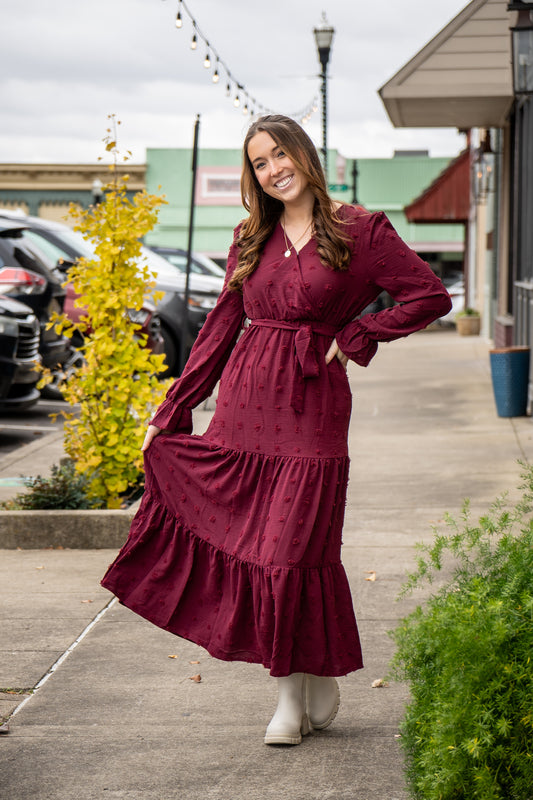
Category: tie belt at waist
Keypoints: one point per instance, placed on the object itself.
(306, 357)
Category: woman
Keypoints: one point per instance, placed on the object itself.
(236, 545)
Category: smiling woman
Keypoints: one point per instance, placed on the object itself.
(237, 543)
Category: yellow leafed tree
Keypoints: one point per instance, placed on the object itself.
(117, 389)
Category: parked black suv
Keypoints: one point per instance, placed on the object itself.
(26, 275)
(19, 355)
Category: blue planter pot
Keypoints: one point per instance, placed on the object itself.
(510, 379)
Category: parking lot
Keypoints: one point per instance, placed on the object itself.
(23, 427)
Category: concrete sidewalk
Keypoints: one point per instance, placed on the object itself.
(120, 716)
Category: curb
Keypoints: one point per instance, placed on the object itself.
(91, 529)
(82, 530)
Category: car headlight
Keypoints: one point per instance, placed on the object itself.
(205, 301)
(8, 327)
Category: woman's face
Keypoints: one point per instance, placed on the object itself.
(278, 176)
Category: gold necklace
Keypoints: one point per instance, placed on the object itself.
(287, 245)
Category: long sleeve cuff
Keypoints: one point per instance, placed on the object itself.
(173, 418)
(354, 343)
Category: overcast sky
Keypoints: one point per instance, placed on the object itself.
(65, 66)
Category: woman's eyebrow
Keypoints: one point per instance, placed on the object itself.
(262, 158)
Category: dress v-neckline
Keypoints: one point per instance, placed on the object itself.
(292, 247)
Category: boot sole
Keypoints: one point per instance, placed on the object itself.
(284, 738)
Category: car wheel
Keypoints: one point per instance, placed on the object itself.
(171, 351)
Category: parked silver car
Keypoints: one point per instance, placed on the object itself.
(62, 244)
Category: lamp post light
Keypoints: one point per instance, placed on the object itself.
(522, 46)
(97, 191)
(323, 38)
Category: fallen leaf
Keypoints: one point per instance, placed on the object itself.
(194, 662)
(379, 684)
(173, 656)
(371, 574)
(196, 678)
(41, 567)
(87, 601)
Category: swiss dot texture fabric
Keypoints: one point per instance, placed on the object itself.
(237, 542)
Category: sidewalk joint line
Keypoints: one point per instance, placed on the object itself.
(519, 443)
(57, 663)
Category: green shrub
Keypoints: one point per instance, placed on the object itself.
(467, 654)
(65, 488)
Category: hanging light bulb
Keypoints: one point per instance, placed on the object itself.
(207, 60)
(228, 89)
(245, 109)
(194, 42)
(216, 76)
(237, 101)
(179, 21)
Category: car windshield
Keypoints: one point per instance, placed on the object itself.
(200, 264)
(54, 249)
(78, 242)
(211, 267)
(158, 264)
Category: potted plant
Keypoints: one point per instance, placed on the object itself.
(468, 322)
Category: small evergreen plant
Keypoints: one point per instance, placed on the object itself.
(117, 388)
(65, 488)
(468, 656)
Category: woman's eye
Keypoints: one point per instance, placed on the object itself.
(280, 153)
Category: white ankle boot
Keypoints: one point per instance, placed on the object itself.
(290, 721)
(322, 700)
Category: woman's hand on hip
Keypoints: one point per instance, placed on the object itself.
(334, 350)
(151, 433)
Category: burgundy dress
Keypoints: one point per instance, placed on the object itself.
(236, 545)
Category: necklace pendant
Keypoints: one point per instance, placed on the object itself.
(287, 253)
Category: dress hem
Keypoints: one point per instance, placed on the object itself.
(177, 580)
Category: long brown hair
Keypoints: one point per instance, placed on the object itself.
(265, 211)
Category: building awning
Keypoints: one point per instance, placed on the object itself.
(461, 78)
(447, 199)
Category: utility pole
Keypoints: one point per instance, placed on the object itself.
(185, 326)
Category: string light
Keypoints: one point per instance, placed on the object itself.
(302, 116)
(179, 20)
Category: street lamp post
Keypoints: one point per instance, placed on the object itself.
(323, 38)
(97, 191)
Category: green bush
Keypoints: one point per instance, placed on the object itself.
(467, 654)
(65, 488)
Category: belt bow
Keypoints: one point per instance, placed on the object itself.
(306, 357)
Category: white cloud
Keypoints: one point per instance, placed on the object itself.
(66, 67)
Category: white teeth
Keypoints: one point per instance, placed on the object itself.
(281, 184)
